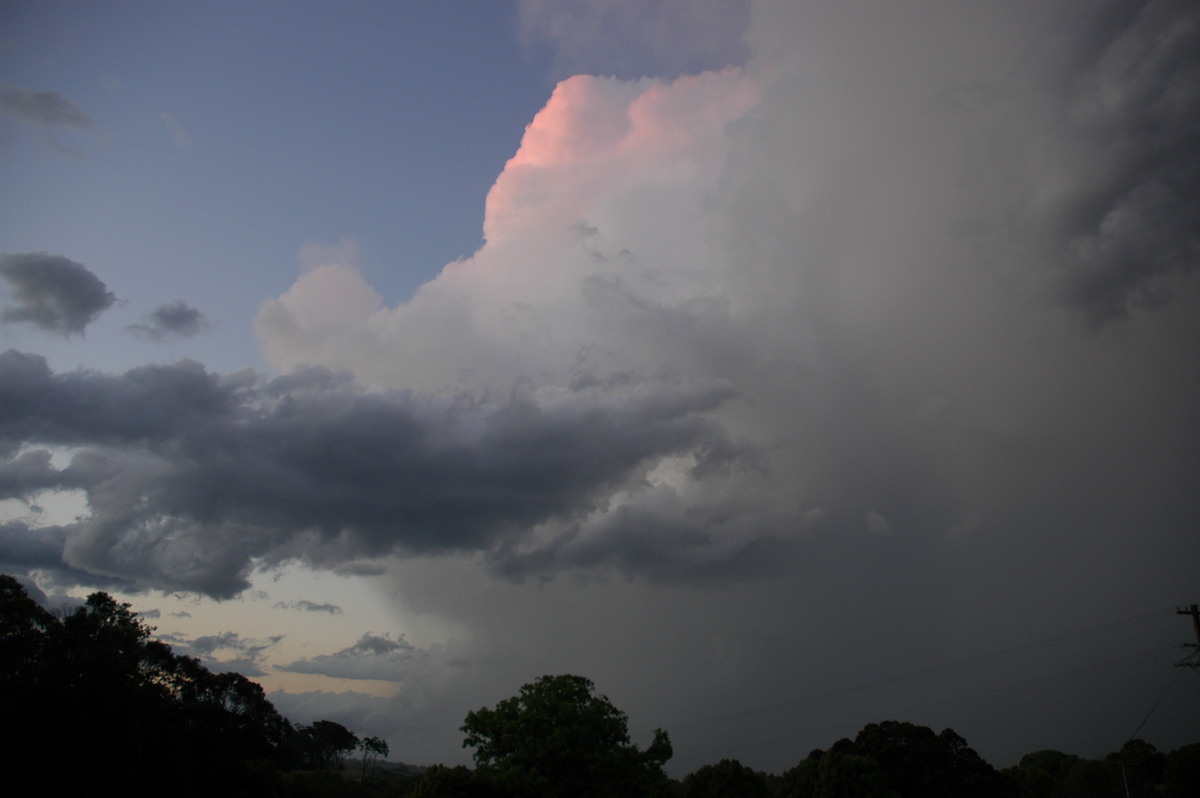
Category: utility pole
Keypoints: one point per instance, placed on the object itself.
(1191, 661)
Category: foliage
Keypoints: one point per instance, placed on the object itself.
(559, 738)
(373, 749)
(728, 778)
(94, 689)
(440, 781)
(917, 762)
(1181, 776)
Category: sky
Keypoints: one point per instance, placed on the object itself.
(781, 367)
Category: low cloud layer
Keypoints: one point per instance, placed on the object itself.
(53, 293)
(193, 478)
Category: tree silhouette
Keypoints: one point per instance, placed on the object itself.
(557, 737)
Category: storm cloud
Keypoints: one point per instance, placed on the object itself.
(52, 292)
(194, 478)
(945, 256)
(1134, 228)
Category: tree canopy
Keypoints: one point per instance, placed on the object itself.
(558, 737)
(92, 704)
(92, 689)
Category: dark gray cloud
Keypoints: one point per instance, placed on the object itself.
(24, 548)
(52, 292)
(191, 477)
(309, 606)
(1132, 96)
(172, 320)
(47, 108)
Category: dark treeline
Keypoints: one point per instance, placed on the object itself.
(92, 705)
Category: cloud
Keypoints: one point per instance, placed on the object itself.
(1133, 222)
(46, 108)
(871, 232)
(193, 479)
(178, 133)
(372, 657)
(309, 606)
(52, 292)
(247, 653)
(171, 320)
(859, 345)
(23, 549)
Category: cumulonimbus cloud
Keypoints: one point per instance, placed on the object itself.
(896, 234)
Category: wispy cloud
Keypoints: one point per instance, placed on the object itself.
(46, 108)
(308, 606)
(178, 133)
(237, 653)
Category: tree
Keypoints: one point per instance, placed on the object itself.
(1140, 765)
(129, 714)
(917, 762)
(373, 749)
(1181, 776)
(559, 738)
(326, 744)
(728, 778)
(440, 781)
(836, 774)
